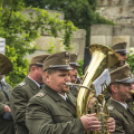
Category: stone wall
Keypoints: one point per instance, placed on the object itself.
(109, 35)
(45, 42)
(115, 3)
(119, 11)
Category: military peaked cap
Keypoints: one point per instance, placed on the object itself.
(38, 60)
(73, 59)
(122, 75)
(5, 65)
(120, 47)
(58, 60)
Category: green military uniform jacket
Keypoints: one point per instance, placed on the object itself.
(49, 113)
(6, 125)
(19, 99)
(124, 119)
(131, 103)
(73, 90)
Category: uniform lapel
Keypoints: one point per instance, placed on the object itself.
(59, 99)
(68, 106)
(72, 99)
(130, 110)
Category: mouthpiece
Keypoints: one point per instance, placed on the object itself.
(79, 85)
(132, 91)
(69, 84)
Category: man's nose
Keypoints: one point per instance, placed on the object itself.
(76, 71)
(68, 78)
(131, 87)
(125, 57)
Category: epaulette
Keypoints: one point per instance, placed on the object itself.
(40, 94)
(110, 108)
(22, 83)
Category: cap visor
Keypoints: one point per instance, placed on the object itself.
(129, 80)
(122, 51)
(62, 67)
(74, 64)
(65, 68)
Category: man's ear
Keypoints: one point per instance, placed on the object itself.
(33, 68)
(114, 89)
(47, 76)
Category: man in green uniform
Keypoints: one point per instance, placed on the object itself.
(53, 109)
(120, 49)
(120, 87)
(21, 94)
(6, 122)
(73, 73)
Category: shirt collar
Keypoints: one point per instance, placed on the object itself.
(34, 81)
(124, 105)
(63, 96)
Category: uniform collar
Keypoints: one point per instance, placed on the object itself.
(124, 105)
(34, 81)
(63, 96)
(31, 83)
(46, 89)
(55, 96)
(117, 105)
(52, 93)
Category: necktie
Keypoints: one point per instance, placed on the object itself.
(68, 100)
(40, 86)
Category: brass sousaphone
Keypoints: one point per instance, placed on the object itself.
(102, 58)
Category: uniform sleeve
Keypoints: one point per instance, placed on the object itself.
(119, 129)
(2, 108)
(18, 102)
(40, 121)
(2, 105)
(9, 88)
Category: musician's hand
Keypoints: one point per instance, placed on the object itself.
(110, 125)
(90, 122)
(7, 109)
(91, 102)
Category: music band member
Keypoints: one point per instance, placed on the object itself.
(120, 87)
(6, 122)
(53, 109)
(21, 94)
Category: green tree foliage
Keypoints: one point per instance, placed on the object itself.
(20, 30)
(130, 59)
(80, 68)
(80, 12)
